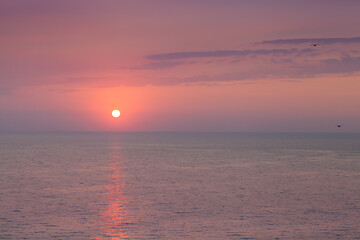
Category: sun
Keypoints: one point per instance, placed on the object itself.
(115, 113)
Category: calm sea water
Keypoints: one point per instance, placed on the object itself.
(179, 186)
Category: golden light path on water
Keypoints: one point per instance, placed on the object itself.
(115, 214)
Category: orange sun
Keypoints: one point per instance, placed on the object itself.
(115, 113)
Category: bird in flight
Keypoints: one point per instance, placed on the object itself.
(338, 125)
(315, 44)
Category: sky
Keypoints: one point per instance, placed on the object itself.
(199, 65)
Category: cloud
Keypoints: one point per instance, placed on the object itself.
(161, 65)
(226, 53)
(202, 67)
(170, 60)
(295, 71)
(273, 68)
(313, 40)
(62, 91)
(345, 64)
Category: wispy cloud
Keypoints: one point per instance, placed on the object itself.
(226, 53)
(294, 72)
(202, 67)
(62, 91)
(313, 40)
(161, 65)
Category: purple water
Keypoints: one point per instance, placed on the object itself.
(179, 186)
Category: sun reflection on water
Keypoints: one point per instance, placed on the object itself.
(115, 216)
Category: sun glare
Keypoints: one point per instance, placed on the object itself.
(115, 113)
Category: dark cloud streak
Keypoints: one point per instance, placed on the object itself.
(225, 53)
(161, 65)
(313, 40)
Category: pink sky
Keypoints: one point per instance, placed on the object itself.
(180, 65)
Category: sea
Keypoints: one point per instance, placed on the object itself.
(179, 186)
